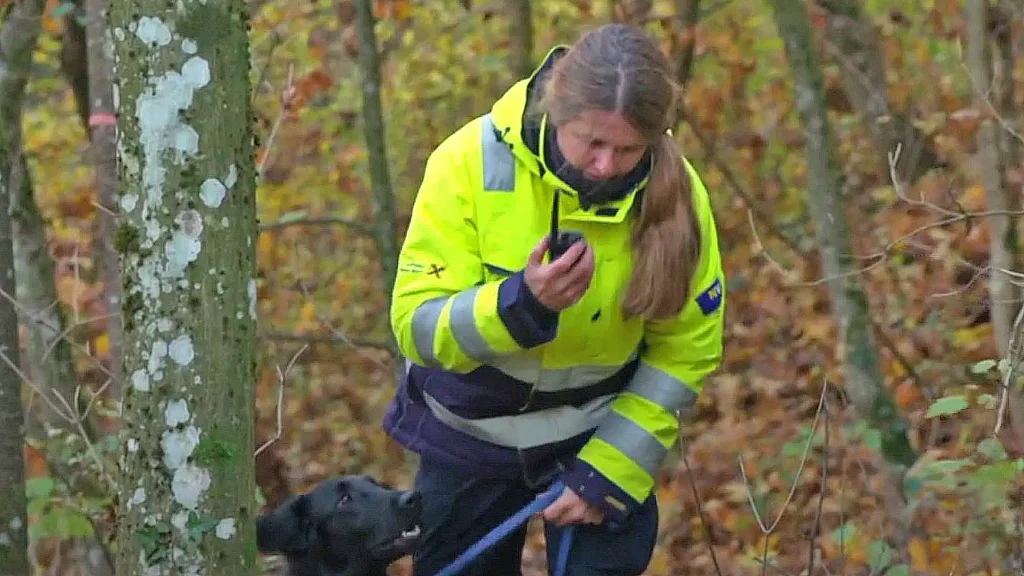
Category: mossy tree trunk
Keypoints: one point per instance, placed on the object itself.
(19, 32)
(186, 237)
(859, 55)
(865, 382)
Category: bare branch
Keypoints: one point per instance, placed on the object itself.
(1011, 370)
(281, 378)
(803, 461)
(69, 413)
(336, 338)
(699, 503)
(354, 225)
(816, 528)
(983, 95)
(339, 334)
(286, 96)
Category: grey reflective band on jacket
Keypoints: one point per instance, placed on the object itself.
(661, 389)
(499, 163)
(527, 368)
(531, 429)
(425, 322)
(632, 440)
(424, 328)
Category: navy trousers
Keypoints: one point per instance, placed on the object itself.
(460, 509)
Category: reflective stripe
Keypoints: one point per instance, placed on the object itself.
(662, 389)
(499, 163)
(531, 429)
(633, 441)
(527, 369)
(424, 327)
(464, 328)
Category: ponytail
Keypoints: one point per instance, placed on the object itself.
(665, 237)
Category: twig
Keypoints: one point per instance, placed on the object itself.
(1011, 369)
(700, 505)
(983, 94)
(733, 182)
(355, 225)
(68, 329)
(323, 339)
(893, 159)
(816, 528)
(35, 317)
(276, 40)
(281, 378)
(803, 461)
(32, 385)
(67, 412)
(286, 96)
(90, 447)
(326, 324)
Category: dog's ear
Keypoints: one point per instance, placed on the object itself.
(285, 529)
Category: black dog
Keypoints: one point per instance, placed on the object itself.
(346, 526)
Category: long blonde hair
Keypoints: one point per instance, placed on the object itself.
(618, 68)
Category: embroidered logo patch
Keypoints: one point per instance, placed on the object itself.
(411, 267)
(711, 299)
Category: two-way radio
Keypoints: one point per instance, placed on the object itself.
(560, 240)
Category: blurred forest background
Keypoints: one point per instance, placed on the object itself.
(776, 469)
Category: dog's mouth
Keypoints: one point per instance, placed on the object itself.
(401, 545)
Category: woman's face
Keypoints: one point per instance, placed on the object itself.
(601, 144)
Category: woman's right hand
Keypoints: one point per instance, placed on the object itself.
(561, 283)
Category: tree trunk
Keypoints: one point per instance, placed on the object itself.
(73, 59)
(13, 536)
(380, 178)
(1003, 242)
(48, 361)
(520, 19)
(104, 156)
(187, 246)
(865, 383)
(863, 76)
(18, 36)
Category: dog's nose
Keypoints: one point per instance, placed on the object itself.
(410, 499)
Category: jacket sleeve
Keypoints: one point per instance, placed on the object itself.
(443, 314)
(616, 469)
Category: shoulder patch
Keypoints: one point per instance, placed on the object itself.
(710, 299)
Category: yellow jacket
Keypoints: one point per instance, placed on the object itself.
(507, 378)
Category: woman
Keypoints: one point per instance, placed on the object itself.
(522, 368)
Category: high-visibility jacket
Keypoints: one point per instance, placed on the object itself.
(493, 383)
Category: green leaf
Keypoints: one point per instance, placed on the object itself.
(912, 486)
(947, 405)
(39, 487)
(899, 570)
(879, 555)
(63, 9)
(987, 400)
(844, 533)
(983, 366)
(992, 448)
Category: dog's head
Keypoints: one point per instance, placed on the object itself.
(349, 525)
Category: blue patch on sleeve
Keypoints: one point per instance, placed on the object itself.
(711, 299)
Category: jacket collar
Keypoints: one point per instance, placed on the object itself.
(522, 128)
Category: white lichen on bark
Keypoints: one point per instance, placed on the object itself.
(187, 171)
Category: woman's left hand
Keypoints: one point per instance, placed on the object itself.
(569, 508)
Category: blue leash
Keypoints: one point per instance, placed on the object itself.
(515, 521)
